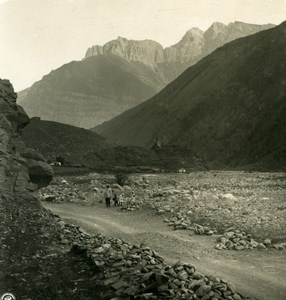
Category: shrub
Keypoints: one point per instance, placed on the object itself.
(121, 178)
(61, 159)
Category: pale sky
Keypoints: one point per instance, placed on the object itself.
(37, 36)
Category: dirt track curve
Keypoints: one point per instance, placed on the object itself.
(258, 274)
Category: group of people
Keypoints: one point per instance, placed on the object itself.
(109, 195)
(112, 196)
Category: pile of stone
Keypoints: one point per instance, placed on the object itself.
(137, 272)
(183, 222)
(179, 223)
(279, 246)
(62, 192)
(130, 206)
(203, 230)
(132, 200)
(237, 240)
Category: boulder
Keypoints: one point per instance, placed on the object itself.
(40, 173)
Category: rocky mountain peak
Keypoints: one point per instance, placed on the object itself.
(214, 30)
(145, 51)
(190, 36)
(193, 32)
(194, 45)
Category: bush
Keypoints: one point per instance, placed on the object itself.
(61, 159)
(121, 178)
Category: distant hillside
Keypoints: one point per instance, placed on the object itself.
(22, 95)
(230, 107)
(53, 139)
(120, 75)
(83, 147)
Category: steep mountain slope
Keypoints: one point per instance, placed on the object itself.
(229, 107)
(88, 92)
(121, 74)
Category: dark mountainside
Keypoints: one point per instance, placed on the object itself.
(81, 147)
(120, 75)
(230, 107)
(53, 139)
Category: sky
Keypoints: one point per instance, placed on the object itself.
(38, 36)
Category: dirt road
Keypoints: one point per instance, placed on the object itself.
(258, 274)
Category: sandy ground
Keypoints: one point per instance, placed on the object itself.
(258, 274)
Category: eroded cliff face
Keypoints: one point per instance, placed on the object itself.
(194, 45)
(21, 169)
(146, 51)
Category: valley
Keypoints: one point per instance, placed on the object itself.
(257, 207)
(135, 170)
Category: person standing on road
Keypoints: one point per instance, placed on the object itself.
(115, 198)
(107, 195)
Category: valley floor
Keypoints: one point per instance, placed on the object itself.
(258, 274)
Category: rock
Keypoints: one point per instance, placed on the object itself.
(267, 242)
(183, 275)
(40, 172)
(202, 290)
(229, 197)
(261, 246)
(99, 250)
(119, 284)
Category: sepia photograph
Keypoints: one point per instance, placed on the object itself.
(142, 149)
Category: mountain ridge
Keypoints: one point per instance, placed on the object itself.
(219, 32)
(119, 76)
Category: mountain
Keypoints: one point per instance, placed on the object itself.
(121, 74)
(230, 107)
(88, 92)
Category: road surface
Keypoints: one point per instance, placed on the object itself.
(257, 274)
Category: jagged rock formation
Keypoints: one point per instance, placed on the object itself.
(147, 51)
(194, 45)
(12, 120)
(121, 74)
(229, 107)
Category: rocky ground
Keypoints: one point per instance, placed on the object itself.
(247, 207)
(54, 259)
(233, 210)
